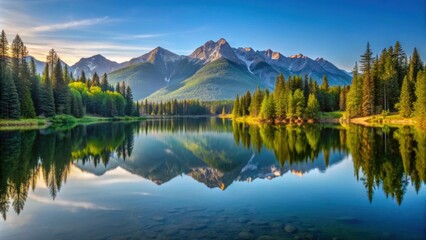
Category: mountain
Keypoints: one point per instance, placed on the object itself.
(40, 64)
(153, 71)
(302, 65)
(90, 65)
(212, 51)
(220, 79)
(213, 71)
(158, 55)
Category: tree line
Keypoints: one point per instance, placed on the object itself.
(295, 98)
(26, 94)
(389, 82)
(184, 107)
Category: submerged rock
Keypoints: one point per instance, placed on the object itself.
(290, 228)
(245, 235)
(265, 237)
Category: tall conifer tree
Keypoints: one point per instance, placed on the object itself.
(367, 87)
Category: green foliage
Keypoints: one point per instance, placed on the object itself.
(60, 89)
(382, 86)
(9, 100)
(420, 104)
(21, 76)
(22, 94)
(312, 108)
(299, 103)
(76, 104)
(130, 105)
(47, 101)
(236, 109)
(405, 100)
(267, 110)
(256, 102)
(367, 106)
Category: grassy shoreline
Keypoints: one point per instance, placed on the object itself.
(325, 117)
(58, 121)
(393, 120)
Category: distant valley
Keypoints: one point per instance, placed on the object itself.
(214, 71)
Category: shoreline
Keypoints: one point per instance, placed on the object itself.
(393, 120)
(59, 121)
(371, 121)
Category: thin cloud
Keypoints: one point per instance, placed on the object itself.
(72, 24)
(70, 204)
(140, 36)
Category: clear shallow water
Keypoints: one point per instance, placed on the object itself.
(205, 178)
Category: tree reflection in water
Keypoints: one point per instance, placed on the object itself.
(384, 158)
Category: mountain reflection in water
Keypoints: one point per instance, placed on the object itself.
(212, 151)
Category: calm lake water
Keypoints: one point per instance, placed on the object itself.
(208, 178)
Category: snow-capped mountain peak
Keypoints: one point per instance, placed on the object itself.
(96, 63)
(211, 51)
(299, 55)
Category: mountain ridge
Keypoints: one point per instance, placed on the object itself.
(154, 75)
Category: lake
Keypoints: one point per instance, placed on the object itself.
(209, 178)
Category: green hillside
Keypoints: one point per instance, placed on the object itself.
(220, 79)
(146, 78)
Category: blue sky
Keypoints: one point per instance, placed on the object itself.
(337, 30)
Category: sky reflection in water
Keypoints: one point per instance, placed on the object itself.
(208, 178)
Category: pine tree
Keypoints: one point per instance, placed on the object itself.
(420, 104)
(129, 109)
(405, 100)
(236, 108)
(291, 105)
(52, 59)
(117, 87)
(9, 100)
(48, 102)
(400, 60)
(306, 86)
(35, 87)
(137, 110)
(324, 84)
(104, 83)
(267, 110)
(21, 76)
(279, 97)
(256, 102)
(83, 77)
(342, 99)
(313, 107)
(299, 103)
(60, 90)
(95, 80)
(390, 79)
(66, 75)
(76, 104)
(123, 89)
(367, 87)
(354, 96)
(415, 65)
(11, 107)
